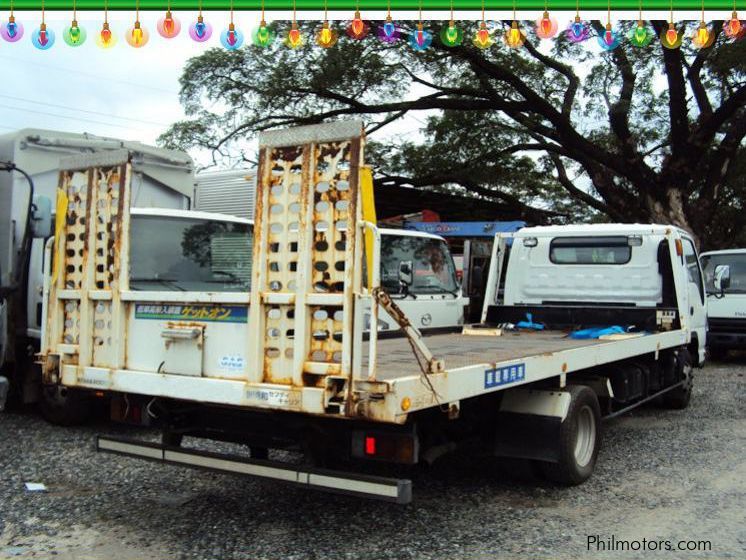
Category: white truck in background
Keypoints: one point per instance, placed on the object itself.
(725, 283)
(29, 172)
(291, 366)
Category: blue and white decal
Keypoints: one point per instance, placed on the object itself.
(502, 376)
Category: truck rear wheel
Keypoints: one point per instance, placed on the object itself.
(679, 398)
(579, 441)
(64, 407)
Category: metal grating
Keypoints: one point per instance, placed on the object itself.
(71, 324)
(106, 227)
(333, 204)
(85, 306)
(304, 253)
(77, 187)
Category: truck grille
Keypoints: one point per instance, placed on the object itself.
(727, 325)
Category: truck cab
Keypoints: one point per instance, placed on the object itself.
(617, 269)
(418, 272)
(725, 284)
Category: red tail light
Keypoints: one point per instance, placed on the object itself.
(385, 446)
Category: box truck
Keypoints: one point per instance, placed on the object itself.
(29, 171)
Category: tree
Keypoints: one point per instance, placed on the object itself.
(636, 134)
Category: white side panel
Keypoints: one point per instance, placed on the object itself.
(533, 278)
(730, 306)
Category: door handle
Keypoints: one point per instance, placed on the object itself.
(181, 333)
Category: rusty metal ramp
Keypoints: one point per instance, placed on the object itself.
(85, 317)
(305, 251)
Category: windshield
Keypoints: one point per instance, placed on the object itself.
(185, 254)
(737, 263)
(433, 271)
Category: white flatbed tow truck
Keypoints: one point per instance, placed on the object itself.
(291, 366)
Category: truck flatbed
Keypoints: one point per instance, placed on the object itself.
(477, 365)
(458, 350)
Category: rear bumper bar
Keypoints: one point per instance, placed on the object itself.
(380, 488)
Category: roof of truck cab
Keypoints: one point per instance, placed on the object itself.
(198, 215)
(38, 151)
(58, 138)
(597, 229)
(724, 252)
(409, 233)
(193, 214)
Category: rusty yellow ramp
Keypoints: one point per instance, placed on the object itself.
(307, 209)
(84, 315)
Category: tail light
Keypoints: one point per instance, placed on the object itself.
(385, 446)
(370, 445)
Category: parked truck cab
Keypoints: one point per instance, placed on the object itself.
(418, 272)
(618, 269)
(725, 283)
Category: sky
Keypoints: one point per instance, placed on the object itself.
(133, 93)
(122, 92)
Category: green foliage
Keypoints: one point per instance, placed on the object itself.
(567, 132)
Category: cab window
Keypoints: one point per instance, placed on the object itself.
(737, 264)
(692, 266)
(186, 254)
(433, 270)
(590, 250)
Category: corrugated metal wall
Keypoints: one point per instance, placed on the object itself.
(227, 192)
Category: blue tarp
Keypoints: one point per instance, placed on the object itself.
(529, 324)
(597, 332)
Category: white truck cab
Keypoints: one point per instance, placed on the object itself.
(725, 283)
(418, 272)
(622, 266)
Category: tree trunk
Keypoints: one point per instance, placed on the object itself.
(672, 211)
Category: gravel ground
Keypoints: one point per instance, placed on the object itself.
(661, 475)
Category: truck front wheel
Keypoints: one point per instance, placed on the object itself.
(64, 407)
(579, 441)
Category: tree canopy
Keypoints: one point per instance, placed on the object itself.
(633, 135)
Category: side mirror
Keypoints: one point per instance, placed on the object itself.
(406, 276)
(41, 217)
(722, 277)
